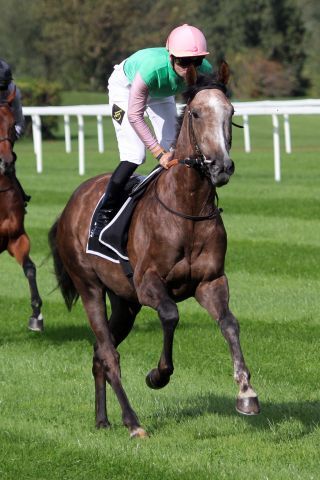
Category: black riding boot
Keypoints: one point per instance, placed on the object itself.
(113, 194)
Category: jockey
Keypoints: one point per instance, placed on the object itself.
(146, 82)
(7, 86)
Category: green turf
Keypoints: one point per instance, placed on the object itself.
(46, 388)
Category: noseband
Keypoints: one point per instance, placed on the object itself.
(7, 139)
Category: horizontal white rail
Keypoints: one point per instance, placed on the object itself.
(244, 109)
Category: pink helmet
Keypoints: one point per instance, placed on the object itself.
(187, 41)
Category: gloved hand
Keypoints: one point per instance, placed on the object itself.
(165, 159)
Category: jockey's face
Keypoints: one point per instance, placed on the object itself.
(180, 65)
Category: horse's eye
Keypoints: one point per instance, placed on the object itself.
(195, 114)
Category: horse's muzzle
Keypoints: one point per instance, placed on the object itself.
(7, 165)
(229, 169)
(221, 176)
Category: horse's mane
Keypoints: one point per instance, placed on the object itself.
(203, 82)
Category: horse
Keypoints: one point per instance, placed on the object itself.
(176, 245)
(13, 236)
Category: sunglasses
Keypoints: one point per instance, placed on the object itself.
(185, 62)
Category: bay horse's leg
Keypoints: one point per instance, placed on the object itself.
(106, 359)
(214, 297)
(123, 315)
(19, 248)
(121, 322)
(152, 292)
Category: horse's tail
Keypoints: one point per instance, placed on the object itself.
(65, 282)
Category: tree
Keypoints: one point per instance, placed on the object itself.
(78, 41)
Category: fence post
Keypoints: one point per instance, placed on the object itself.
(287, 134)
(100, 134)
(276, 148)
(81, 144)
(246, 133)
(67, 133)
(37, 140)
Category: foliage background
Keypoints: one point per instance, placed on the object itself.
(270, 44)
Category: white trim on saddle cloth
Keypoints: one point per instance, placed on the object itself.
(129, 199)
(94, 252)
(102, 243)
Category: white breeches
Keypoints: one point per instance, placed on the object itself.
(162, 113)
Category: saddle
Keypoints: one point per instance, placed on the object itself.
(112, 243)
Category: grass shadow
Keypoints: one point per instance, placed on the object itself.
(272, 415)
(68, 333)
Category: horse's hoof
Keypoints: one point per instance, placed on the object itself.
(138, 433)
(248, 405)
(36, 324)
(153, 380)
(103, 424)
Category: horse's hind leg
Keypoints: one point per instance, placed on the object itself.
(123, 315)
(121, 322)
(152, 292)
(106, 360)
(214, 297)
(20, 248)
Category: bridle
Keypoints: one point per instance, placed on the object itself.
(199, 161)
(7, 139)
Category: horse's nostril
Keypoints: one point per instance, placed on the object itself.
(230, 168)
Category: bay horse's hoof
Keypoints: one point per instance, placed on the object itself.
(103, 424)
(36, 324)
(155, 381)
(248, 405)
(138, 433)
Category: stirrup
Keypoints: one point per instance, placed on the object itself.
(103, 218)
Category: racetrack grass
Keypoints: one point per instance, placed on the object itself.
(46, 388)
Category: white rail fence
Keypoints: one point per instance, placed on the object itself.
(275, 109)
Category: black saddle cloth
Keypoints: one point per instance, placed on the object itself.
(112, 242)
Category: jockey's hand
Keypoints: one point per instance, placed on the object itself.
(165, 159)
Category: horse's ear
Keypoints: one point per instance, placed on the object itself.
(11, 96)
(223, 72)
(191, 76)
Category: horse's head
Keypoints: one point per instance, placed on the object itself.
(209, 121)
(7, 135)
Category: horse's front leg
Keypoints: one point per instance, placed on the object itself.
(20, 248)
(214, 297)
(152, 292)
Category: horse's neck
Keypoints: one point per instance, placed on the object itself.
(186, 190)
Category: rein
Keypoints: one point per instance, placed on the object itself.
(195, 218)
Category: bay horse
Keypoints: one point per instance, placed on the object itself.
(13, 236)
(176, 244)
